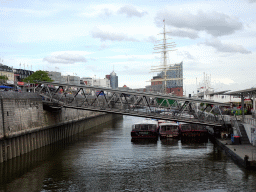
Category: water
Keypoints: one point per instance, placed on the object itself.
(105, 159)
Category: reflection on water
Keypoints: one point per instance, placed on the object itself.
(105, 159)
(143, 141)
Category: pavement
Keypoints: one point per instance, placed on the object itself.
(241, 149)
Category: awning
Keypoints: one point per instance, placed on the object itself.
(5, 87)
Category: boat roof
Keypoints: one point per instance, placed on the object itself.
(147, 121)
(169, 123)
(183, 123)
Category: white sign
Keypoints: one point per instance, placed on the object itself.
(10, 82)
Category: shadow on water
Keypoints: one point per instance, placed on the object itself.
(28, 170)
(143, 141)
(170, 141)
(194, 140)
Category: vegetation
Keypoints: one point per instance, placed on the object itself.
(4, 77)
(38, 76)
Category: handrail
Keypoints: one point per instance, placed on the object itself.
(250, 121)
(234, 120)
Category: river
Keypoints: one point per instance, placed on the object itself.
(105, 159)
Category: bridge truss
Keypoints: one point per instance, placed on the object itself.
(133, 103)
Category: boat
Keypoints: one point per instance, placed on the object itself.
(169, 130)
(148, 128)
(192, 130)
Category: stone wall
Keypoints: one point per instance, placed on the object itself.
(23, 112)
(26, 126)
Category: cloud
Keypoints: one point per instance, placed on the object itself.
(184, 33)
(106, 12)
(213, 23)
(151, 39)
(104, 35)
(103, 46)
(230, 48)
(132, 57)
(26, 12)
(251, 1)
(130, 11)
(66, 57)
(185, 54)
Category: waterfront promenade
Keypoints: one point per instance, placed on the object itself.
(239, 153)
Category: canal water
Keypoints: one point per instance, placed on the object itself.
(105, 159)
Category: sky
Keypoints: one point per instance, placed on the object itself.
(93, 38)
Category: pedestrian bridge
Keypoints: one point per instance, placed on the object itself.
(133, 103)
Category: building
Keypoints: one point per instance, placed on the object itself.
(73, 80)
(205, 91)
(101, 82)
(55, 76)
(124, 88)
(174, 80)
(8, 72)
(86, 80)
(113, 80)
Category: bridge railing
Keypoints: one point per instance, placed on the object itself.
(134, 103)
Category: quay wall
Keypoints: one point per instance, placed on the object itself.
(25, 126)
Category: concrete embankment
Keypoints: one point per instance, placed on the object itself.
(243, 154)
(25, 126)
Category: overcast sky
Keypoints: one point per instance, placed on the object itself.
(90, 38)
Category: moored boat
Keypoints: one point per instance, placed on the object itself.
(146, 129)
(192, 130)
(169, 130)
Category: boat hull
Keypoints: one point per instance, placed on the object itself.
(144, 135)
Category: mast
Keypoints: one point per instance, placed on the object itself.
(164, 48)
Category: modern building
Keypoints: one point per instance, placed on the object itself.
(174, 82)
(113, 80)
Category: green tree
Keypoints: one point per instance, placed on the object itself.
(38, 76)
(4, 77)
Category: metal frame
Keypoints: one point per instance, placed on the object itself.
(127, 102)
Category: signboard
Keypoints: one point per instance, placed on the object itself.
(20, 83)
(10, 82)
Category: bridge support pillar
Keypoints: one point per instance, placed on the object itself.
(242, 106)
(254, 95)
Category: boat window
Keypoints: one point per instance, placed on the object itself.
(185, 127)
(144, 127)
(152, 127)
(193, 126)
(163, 128)
(137, 127)
(173, 127)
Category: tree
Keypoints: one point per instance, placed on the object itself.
(4, 77)
(38, 76)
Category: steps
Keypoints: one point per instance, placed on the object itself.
(244, 137)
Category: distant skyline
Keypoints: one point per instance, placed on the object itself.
(89, 38)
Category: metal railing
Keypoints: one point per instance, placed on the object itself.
(234, 123)
(128, 102)
(250, 121)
